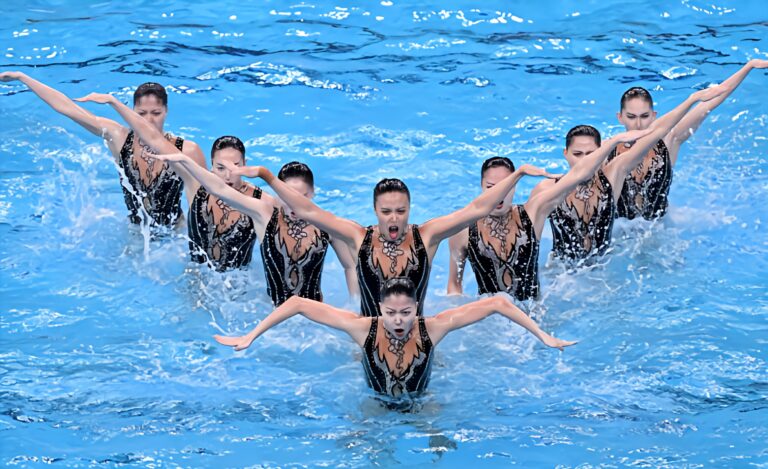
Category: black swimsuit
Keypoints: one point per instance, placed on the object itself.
(161, 199)
(287, 277)
(573, 238)
(521, 265)
(230, 249)
(415, 378)
(371, 278)
(648, 198)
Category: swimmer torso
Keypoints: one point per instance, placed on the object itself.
(583, 222)
(396, 367)
(293, 253)
(503, 252)
(220, 234)
(379, 260)
(154, 188)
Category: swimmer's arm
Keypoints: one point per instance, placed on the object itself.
(357, 327)
(108, 129)
(350, 267)
(440, 325)
(437, 229)
(457, 244)
(693, 119)
(259, 210)
(346, 230)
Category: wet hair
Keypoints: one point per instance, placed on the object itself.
(228, 141)
(294, 169)
(153, 89)
(495, 162)
(636, 92)
(398, 286)
(582, 131)
(390, 185)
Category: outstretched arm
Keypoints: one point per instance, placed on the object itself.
(471, 313)
(692, 120)
(617, 169)
(357, 327)
(108, 129)
(258, 209)
(543, 200)
(437, 229)
(457, 246)
(150, 135)
(347, 231)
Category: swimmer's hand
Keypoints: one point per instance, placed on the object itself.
(531, 170)
(172, 157)
(247, 171)
(554, 342)
(10, 76)
(239, 343)
(758, 63)
(100, 98)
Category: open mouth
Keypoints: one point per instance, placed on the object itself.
(501, 204)
(393, 232)
(399, 331)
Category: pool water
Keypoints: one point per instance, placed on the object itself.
(107, 357)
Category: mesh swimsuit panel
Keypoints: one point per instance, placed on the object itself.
(573, 237)
(161, 198)
(518, 274)
(286, 275)
(380, 376)
(647, 198)
(227, 248)
(371, 277)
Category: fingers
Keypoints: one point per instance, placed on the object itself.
(229, 341)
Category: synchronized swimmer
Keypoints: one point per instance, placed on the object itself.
(388, 264)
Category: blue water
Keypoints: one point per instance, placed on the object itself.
(107, 357)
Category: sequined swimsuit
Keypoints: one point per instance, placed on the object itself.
(518, 274)
(380, 377)
(285, 276)
(371, 278)
(231, 248)
(161, 199)
(574, 238)
(649, 197)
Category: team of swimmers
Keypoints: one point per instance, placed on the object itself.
(388, 264)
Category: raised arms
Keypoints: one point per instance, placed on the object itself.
(696, 116)
(437, 229)
(543, 200)
(470, 313)
(357, 327)
(108, 129)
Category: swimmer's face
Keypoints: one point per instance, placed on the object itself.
(231, 155)
(581, 146)
(492, 177)
(637, 114)
(392, 209)
(300, 186)
(398, 313)
(152, 109)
